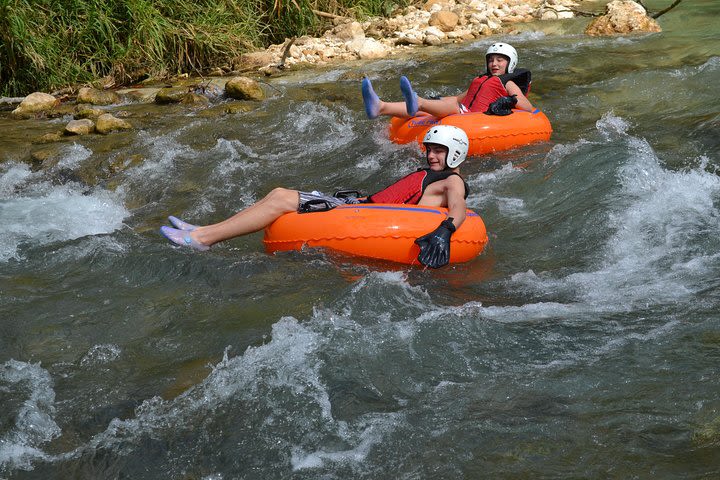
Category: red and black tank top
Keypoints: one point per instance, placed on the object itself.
(410, 188)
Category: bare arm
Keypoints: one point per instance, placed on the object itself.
(455, 196)
(522, 101)
(462, 96)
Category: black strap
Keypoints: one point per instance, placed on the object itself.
(316, 205)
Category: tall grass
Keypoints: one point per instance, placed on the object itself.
(47, 44)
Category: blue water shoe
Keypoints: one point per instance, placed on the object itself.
(411, 98)
(370, 99)
(182, 238)
(177, 223)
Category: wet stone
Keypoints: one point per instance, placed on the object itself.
(79, 127)
(169, 95)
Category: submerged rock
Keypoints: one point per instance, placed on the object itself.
(195, 100)
(140, 95)
(34, 104)
(244, 88)
(170, 95)
(79, 127)
(107, 123)
(50, 137)
(622, 17)
(93, 96)
(83, 110)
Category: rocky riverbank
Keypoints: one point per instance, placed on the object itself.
(100, 109)
(435, 23)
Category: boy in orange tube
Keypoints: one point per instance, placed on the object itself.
(438, 185)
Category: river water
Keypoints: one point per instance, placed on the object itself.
(583, 343)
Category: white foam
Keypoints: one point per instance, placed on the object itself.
(100, 354)
(74, 155)
(653, 249)
(483, 186)
(12, 175)
(64, 213)
(34, 421)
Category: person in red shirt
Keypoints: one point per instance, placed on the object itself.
(501, 80)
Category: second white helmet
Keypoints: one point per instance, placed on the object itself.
(507, 50)
(454, 138)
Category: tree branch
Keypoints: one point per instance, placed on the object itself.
(327, 15)
(661, 12)
(579, 13)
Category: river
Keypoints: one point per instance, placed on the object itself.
(583, 343)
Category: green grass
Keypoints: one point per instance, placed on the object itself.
(49, 44)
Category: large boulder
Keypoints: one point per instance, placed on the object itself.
(444, 20)
(255, 59)
(348, 31)
(107, 123)
(622, 17)
(244, 88)
(34, 104)
(368, 48)
(93, 96)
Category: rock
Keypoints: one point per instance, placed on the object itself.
(255, 60)
(44, 158)
(85, 111)
(79, 127)
(216, 72)
(408, 38)
(348, 31)
(244, 88)
(432, 5)
(107, 123)
(62, 110)
(141, 95)
(378, 29)
(168, 95)
(433, 40)
(444, 20)
(94, 96)
(622, 17)
(555, 10)
(121, 163)
(195, 100)
(50, 137)
(35, 103)
(270, 70)
(368, 48)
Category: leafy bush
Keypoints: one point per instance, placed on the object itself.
(47, 44)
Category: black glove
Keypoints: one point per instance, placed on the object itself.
(502, 106)
(435, 246)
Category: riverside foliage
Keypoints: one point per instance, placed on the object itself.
(47, 44)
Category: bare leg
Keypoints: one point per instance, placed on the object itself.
(252, 219)
(439, 108)
(375, 107)
(436, 107)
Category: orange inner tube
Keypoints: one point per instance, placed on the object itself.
(487, 133)
(375, 230)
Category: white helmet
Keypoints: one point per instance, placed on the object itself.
(504, 49)
(454, 138)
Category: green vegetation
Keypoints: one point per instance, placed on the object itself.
(47, 44)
